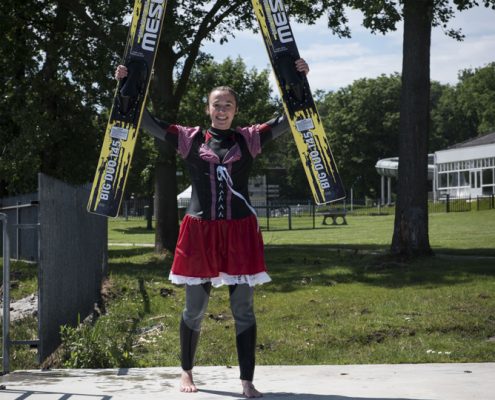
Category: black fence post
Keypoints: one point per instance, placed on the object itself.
(267, 217)
(290, 218)
(447, 203)
(313, 210)
(18, 232)
(148, 214)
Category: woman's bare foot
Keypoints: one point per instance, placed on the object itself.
(186, 382)
(249, 390)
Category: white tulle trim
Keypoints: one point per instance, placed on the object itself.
(222, 279)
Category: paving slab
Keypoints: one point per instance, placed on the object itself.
(319, 382)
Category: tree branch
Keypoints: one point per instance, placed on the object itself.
(79, 12)
(209, 24)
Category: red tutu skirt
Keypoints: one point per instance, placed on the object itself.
(210, 248)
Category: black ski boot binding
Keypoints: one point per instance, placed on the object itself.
(132, 88)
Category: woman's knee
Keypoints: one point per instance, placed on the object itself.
(242, 306)
(197, 297)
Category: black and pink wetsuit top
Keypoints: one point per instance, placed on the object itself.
(219, 163)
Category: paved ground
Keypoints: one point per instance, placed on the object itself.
(341, 382)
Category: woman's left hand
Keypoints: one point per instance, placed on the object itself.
(302, 66)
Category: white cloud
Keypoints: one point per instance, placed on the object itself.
(321, 51)
(334, 74)
(336, 62)
(448, 57)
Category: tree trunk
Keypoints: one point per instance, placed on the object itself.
(165, 105)
(165, 203)
(411, 216)
(166, 95)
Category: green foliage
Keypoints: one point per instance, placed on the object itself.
(476, 96)
(381, 16)
(97, 346)
(465, 110)
(255, 102)
(362, 121)
(51, 56)
(362, 124)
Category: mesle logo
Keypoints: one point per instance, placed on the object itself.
(152, 26)
(281, 21)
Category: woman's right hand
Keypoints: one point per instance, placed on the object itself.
(121, 72)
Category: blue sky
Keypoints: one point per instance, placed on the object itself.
(336, 62)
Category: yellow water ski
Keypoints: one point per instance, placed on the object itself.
(300, 109)
(128, 105)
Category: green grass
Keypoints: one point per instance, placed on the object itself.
(131, 231)
(336, 298)
(457, 233)
(321, 308)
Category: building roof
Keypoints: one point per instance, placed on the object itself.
(478, 141)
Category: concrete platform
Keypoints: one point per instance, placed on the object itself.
(323, 382)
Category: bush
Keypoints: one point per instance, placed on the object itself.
(102, 345)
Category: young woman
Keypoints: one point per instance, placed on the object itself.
(219, 240)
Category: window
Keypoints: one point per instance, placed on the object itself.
(453, 179)
(442, 180)
(487, 190)
(464, 178)
(488, 176)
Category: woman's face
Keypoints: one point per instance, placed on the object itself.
(221, 109)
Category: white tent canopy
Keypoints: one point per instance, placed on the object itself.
(184, 197)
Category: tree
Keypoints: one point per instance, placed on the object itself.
(411, 211)
(476, 97)
(465, 110)
(361, 122)
(51, 55)
(410, 236)
(57, 59)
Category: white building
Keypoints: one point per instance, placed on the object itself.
(466, 169)
(463, 170)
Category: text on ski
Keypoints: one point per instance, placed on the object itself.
(152, 25)
(314, 154)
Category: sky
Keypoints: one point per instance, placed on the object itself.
(336, 63)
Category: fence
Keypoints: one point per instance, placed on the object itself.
(71, 257)
(303, 214)
(21, 210)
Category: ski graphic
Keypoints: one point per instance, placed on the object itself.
(300, 109)
(128, 105)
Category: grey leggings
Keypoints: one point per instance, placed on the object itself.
(241, 304)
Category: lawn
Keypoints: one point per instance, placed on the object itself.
(321, 308)
(336, 298)
(456, 233)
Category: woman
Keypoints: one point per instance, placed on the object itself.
(219, 242)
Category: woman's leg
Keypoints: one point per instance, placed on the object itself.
(197, 297)
(241, 303)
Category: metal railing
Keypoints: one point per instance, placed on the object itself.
(22, 215)
(304, 214)
(6, 341)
